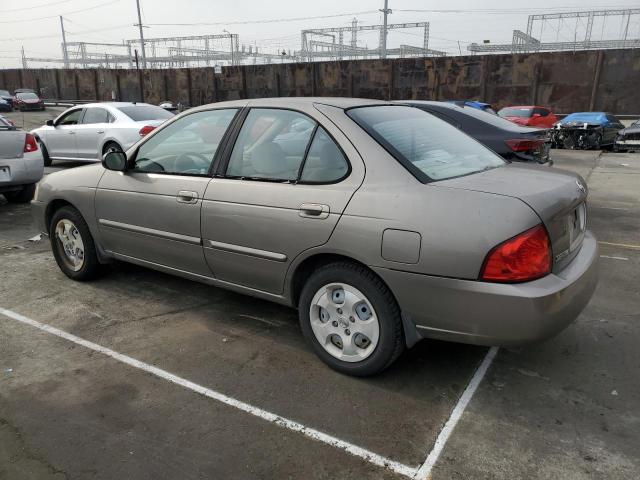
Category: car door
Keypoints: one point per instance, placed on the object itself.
(151, 212)
(539, 117)
(91, 131)
(61, 139)
(284, 187)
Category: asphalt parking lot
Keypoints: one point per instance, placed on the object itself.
(567, 408)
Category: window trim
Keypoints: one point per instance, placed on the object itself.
(209, 174)
(224, 164)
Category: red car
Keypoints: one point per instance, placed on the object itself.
(27, 101)
(529, 116)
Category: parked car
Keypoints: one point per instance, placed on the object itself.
(21, 165)
(388, 226)
(6, 96)
(485, 107)
(24, 101)
(628, 138)
(586, 130)
(84, 133)
(5, 106)
(512, 142)
(529, 116)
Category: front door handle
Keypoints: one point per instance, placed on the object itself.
(185, 196)
(314, 210)
(72, 133)
(100, 131)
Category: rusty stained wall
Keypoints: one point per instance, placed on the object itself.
(565, 81)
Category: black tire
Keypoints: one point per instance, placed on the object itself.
(109, 146)
(45, 153)
(391, 339)
(21, 196)
(91, 267)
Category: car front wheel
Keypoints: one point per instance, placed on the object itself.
(72, 245)
(351, 319)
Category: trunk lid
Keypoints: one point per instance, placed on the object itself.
(558, 197)
(11, 143)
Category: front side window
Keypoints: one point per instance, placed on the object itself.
(95, 115)
(187, 146)
(271, 145)
(71, 118)
(428, 147)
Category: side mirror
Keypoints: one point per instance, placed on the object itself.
(50, 123)
(115, 160)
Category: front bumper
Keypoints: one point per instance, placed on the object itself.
(485, 313)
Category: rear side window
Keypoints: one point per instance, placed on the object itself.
(140, 113)
(428, 147)
(325, 162)
(95, 115)
(271, 145)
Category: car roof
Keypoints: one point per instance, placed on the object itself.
(340, 102)
(115, 104)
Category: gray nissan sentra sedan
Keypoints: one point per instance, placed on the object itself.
(381, 223)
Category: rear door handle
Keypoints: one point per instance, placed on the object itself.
(314, 210)
(100, 131)
(185, 196)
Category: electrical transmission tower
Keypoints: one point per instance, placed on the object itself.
(581, 36)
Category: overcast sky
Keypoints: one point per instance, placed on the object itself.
(22, 22)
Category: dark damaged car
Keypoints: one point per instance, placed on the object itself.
(586, 130)
(628, 138)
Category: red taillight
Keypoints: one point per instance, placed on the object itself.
(520, 145)
(30, 144)
(525, 257)
(146, 130)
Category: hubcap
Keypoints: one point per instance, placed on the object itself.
(70, 244)
(344, 322)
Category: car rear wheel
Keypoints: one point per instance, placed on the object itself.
(351, 319)
(21, 196)
(72, 245)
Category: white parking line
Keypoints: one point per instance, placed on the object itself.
(614, 258)
(424, 472)
(232, 402)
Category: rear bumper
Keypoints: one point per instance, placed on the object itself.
(15, 172)
(497, 314)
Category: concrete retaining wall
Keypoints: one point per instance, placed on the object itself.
(565, 81)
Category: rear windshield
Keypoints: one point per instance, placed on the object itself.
(590, 117)
(428, 147)
(139, 113)
(27, 96)
(516, 112)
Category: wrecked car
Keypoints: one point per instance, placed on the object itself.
(586, 130)
(628, 138)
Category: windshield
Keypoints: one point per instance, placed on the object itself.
(590, 117)
(139, 113)
(516, 112)
(27, 96)
(5, 93)
(428, 147)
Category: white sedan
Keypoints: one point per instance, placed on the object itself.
(86, 132)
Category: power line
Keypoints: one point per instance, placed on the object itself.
(67, 13)
(272, 20)
(42, 5)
